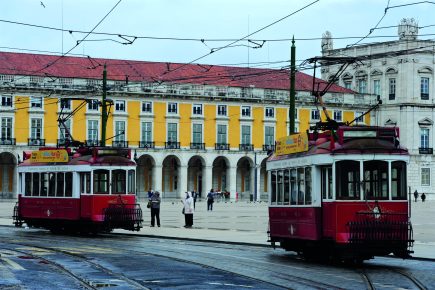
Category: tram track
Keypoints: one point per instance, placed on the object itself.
(70, 264)
(282, 269)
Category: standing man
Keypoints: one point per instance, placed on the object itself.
(155, 208)
(415, 195)
(210, 200)
(195, 196)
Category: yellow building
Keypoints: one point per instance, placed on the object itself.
(191, 127)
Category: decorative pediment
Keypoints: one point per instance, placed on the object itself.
(390, 122)
(425, 122)
(391, 70)
(361, 74)
(425, 70)
(347, 76)
(376, 72)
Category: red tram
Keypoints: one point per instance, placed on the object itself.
(91, 190)
(341, 193)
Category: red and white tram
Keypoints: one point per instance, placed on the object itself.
(342, 195)
(91, 190)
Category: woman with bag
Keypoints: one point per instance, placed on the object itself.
(154, 203)
(188, 210)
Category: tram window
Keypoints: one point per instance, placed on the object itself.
(60, 184)
(273, 187)
(131, 182)
(85, 182)
(293, 186)
(28, 184)
(35, 184)
(348, 180)
(118, 181)
(376, 179)
(52, 183)
(326, 181)
(101, 181)
(44, 184)
(301, 185)
(68, 184)
(398, 180)
(280, 187)
(308, 197)
(286, 186)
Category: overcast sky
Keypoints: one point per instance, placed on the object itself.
(202, 19)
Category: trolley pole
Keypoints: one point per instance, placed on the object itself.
(292, 86)
(104, 109)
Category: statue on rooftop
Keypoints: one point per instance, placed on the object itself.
(408, 29)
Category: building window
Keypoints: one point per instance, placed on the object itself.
(296, 114)
(222, 110)
(92, 130)
(348, 84)
(222, 134)
(392, 89)
(36, 128)
(269, 136)
(65, 104)
(197, 109)
(197, 133)
(246, 111)
(362, 86)
(120, 106)
(36, 102)
(377, 87)
(93, 105)
(246, 134)
(172, 108)
(172, 132)
(424, 88)
(6, 129)
(315, 115)
(270, 112)
(147, 107)
(424, 138)
(359, 116)
(338, 116)
(146, 132)
(119, 130)
(425, 176)
(6, 101)
(64, 131)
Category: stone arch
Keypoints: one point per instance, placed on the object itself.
(425, 70)
(245, 178)
(8, 175)
(220, 173)
(170, 177)
(391, 70)
(196, 167)
(145, 175)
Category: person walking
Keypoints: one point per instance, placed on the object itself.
(194, 196)
(423, 197)
(210, 200)
(188, 210)
(155, 208)
(415, 195)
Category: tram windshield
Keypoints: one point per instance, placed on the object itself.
(291, 186)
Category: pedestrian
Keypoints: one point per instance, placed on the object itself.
(210, 200)
(423, 197)
(155, 208)
(188, 210)
(415, 195)
(195, 196)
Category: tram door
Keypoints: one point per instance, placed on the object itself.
(327, 201)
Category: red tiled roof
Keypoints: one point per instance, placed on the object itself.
(92, 68)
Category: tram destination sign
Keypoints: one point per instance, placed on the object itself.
(48, 156)
(292, 144)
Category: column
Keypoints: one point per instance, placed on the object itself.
(207, 180)
(257, 174)
(157, 179)
(232, 181)
(182, 181)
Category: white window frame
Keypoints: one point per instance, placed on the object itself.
(424, 88)
(217, 133)
(147, 107)
(193, 133)
(424, 138)
(377, 87)
(33, 134)
(359, 117)
(245, 111)
(338, 115)
(241, 134)
(142, 131)
(36, 103)
(65, 101)
(425, 177)
(197, 109)
(315, 115)
(172, 108)
(269, 112)
(97, 129)
(222, 110)
(5, 100)
(68, 124)
(120, 106)
(273, 135)
(2, 126)
(118, 137)
(176, 132)
(92, 104)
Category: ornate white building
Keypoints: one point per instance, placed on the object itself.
(401, 72)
